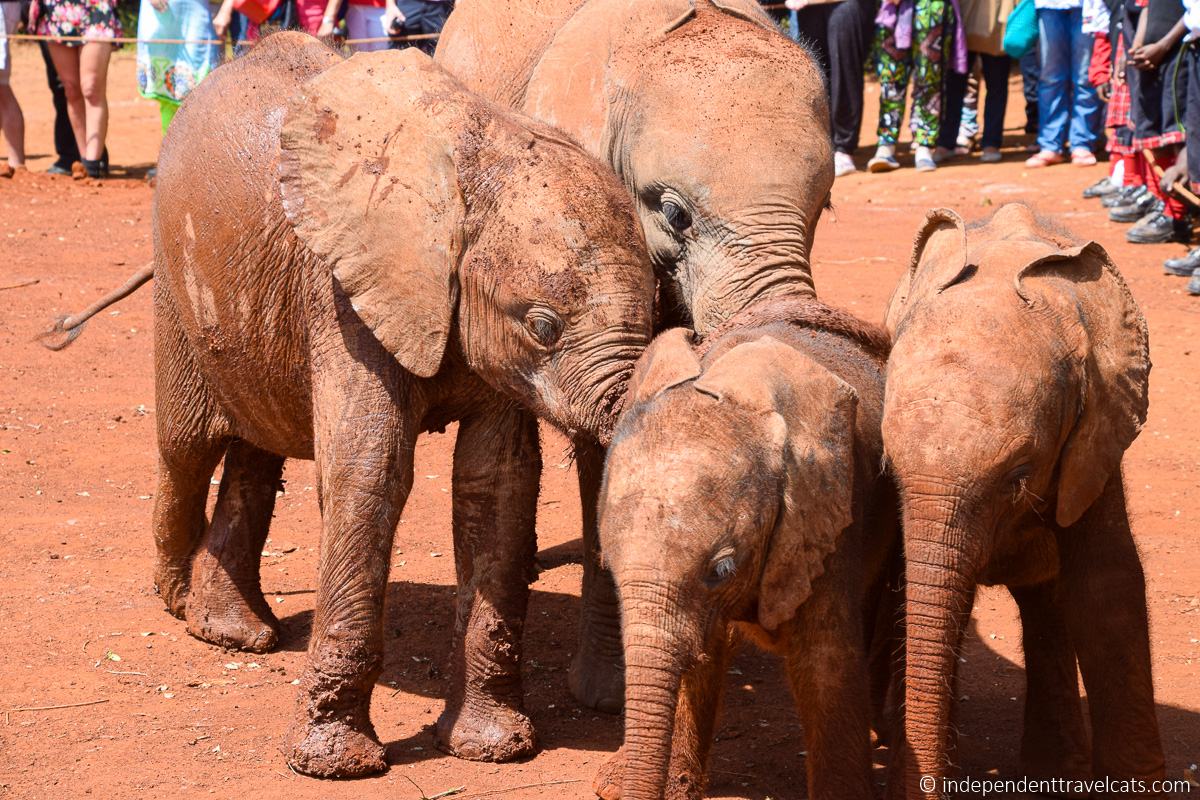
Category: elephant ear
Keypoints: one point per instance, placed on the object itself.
(369, 184)
(1114, 344)
(813, 412)
(669, 361)
(939, 256)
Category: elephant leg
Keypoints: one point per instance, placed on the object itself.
(1054, 743)
(191, 441)
(226, 605)
(827, 668)
(597, 673)
(497, 470)
(1104, 597)
(364, 452)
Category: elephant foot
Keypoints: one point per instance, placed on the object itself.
(597, 681)
(486, 731)
(220, 613)
(607, 783)
(334, 749)
(171, 584)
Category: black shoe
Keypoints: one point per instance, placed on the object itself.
(94, 169)
(1183, 267)
(1159, 229)
(57, 169)
(1146, 204)
(1101, 188)
(1124, 197)
(1193, 287)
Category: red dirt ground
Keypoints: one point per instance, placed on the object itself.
(179, 718)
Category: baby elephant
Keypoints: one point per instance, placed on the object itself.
(743, 489)
(1018, 377)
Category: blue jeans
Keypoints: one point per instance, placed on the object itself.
(1065, 97)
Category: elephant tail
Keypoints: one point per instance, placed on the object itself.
(66, 329)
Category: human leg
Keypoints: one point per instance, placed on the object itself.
(93, 76)
(366, 22)
(1087, 108)
(1054, 80)
(66, 65)
(849, 35)
(995, 99)
(929, 31)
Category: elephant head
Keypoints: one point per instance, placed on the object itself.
(1017, 379)
(725, 489)
(719, 127)
(460, 231)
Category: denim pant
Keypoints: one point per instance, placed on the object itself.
(1065, 96)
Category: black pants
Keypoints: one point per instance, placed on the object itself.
(423, 16)
(839, 35)
(995, 101)
(64, 135)
(1192, 113)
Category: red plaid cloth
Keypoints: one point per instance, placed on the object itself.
(1118, 107)
(1162, 140)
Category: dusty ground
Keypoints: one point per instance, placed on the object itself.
(172, 716)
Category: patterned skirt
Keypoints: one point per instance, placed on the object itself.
(168, 71)
(90, 18)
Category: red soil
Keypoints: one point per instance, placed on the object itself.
(181, 718)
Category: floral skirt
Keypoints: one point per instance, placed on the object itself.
(90, 18)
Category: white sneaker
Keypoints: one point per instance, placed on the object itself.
(843, 164)
(925, 161)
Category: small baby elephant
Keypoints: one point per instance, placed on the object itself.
(744, 489)
(1017, 379)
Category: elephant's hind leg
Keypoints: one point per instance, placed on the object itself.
(226, 604)
(191, 441)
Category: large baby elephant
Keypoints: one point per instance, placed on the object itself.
(378, 255)
(1017, 380)
(718, 126)
(745, 490)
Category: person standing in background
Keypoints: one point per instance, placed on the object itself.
(12, 121)
(915, 39)
(82, 66)
(64, 137)
(1068, 106)
(166, 72)
(984, 20)
(839, 34)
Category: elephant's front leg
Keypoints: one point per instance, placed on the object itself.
(597, 675)
(827, 668)
(364, 450)
(1104, 597)
(497, 469)
(1054, 743)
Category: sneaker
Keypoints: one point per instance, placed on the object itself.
(943, 154)
(1183, 267)
(991, 155)
(843, 164)
(925, 161)
(1101, 188)
(883, 161)
(1193, 287)
(58, 169)
(1158, 229)
(1146, 204)
(1125, 196)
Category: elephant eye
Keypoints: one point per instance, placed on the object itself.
(677, 217)
(544, 325)
(722, 569)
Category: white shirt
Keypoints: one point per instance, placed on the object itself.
(1191, 18)
(1096, 16)
(1056, 5)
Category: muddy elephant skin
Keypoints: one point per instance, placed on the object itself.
(717, 124)
(348, 253)
(1018, 377)
(743, 492)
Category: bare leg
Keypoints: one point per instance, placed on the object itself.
(13, 124)
(497, 467)
(1054, 743)
(191, 440)
(93, 81)
(226, 604)
(1104, 598)
(597, 674)
(364, 447)
(66, 64)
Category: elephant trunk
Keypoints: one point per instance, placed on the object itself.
(655, 656)
(942, 562)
